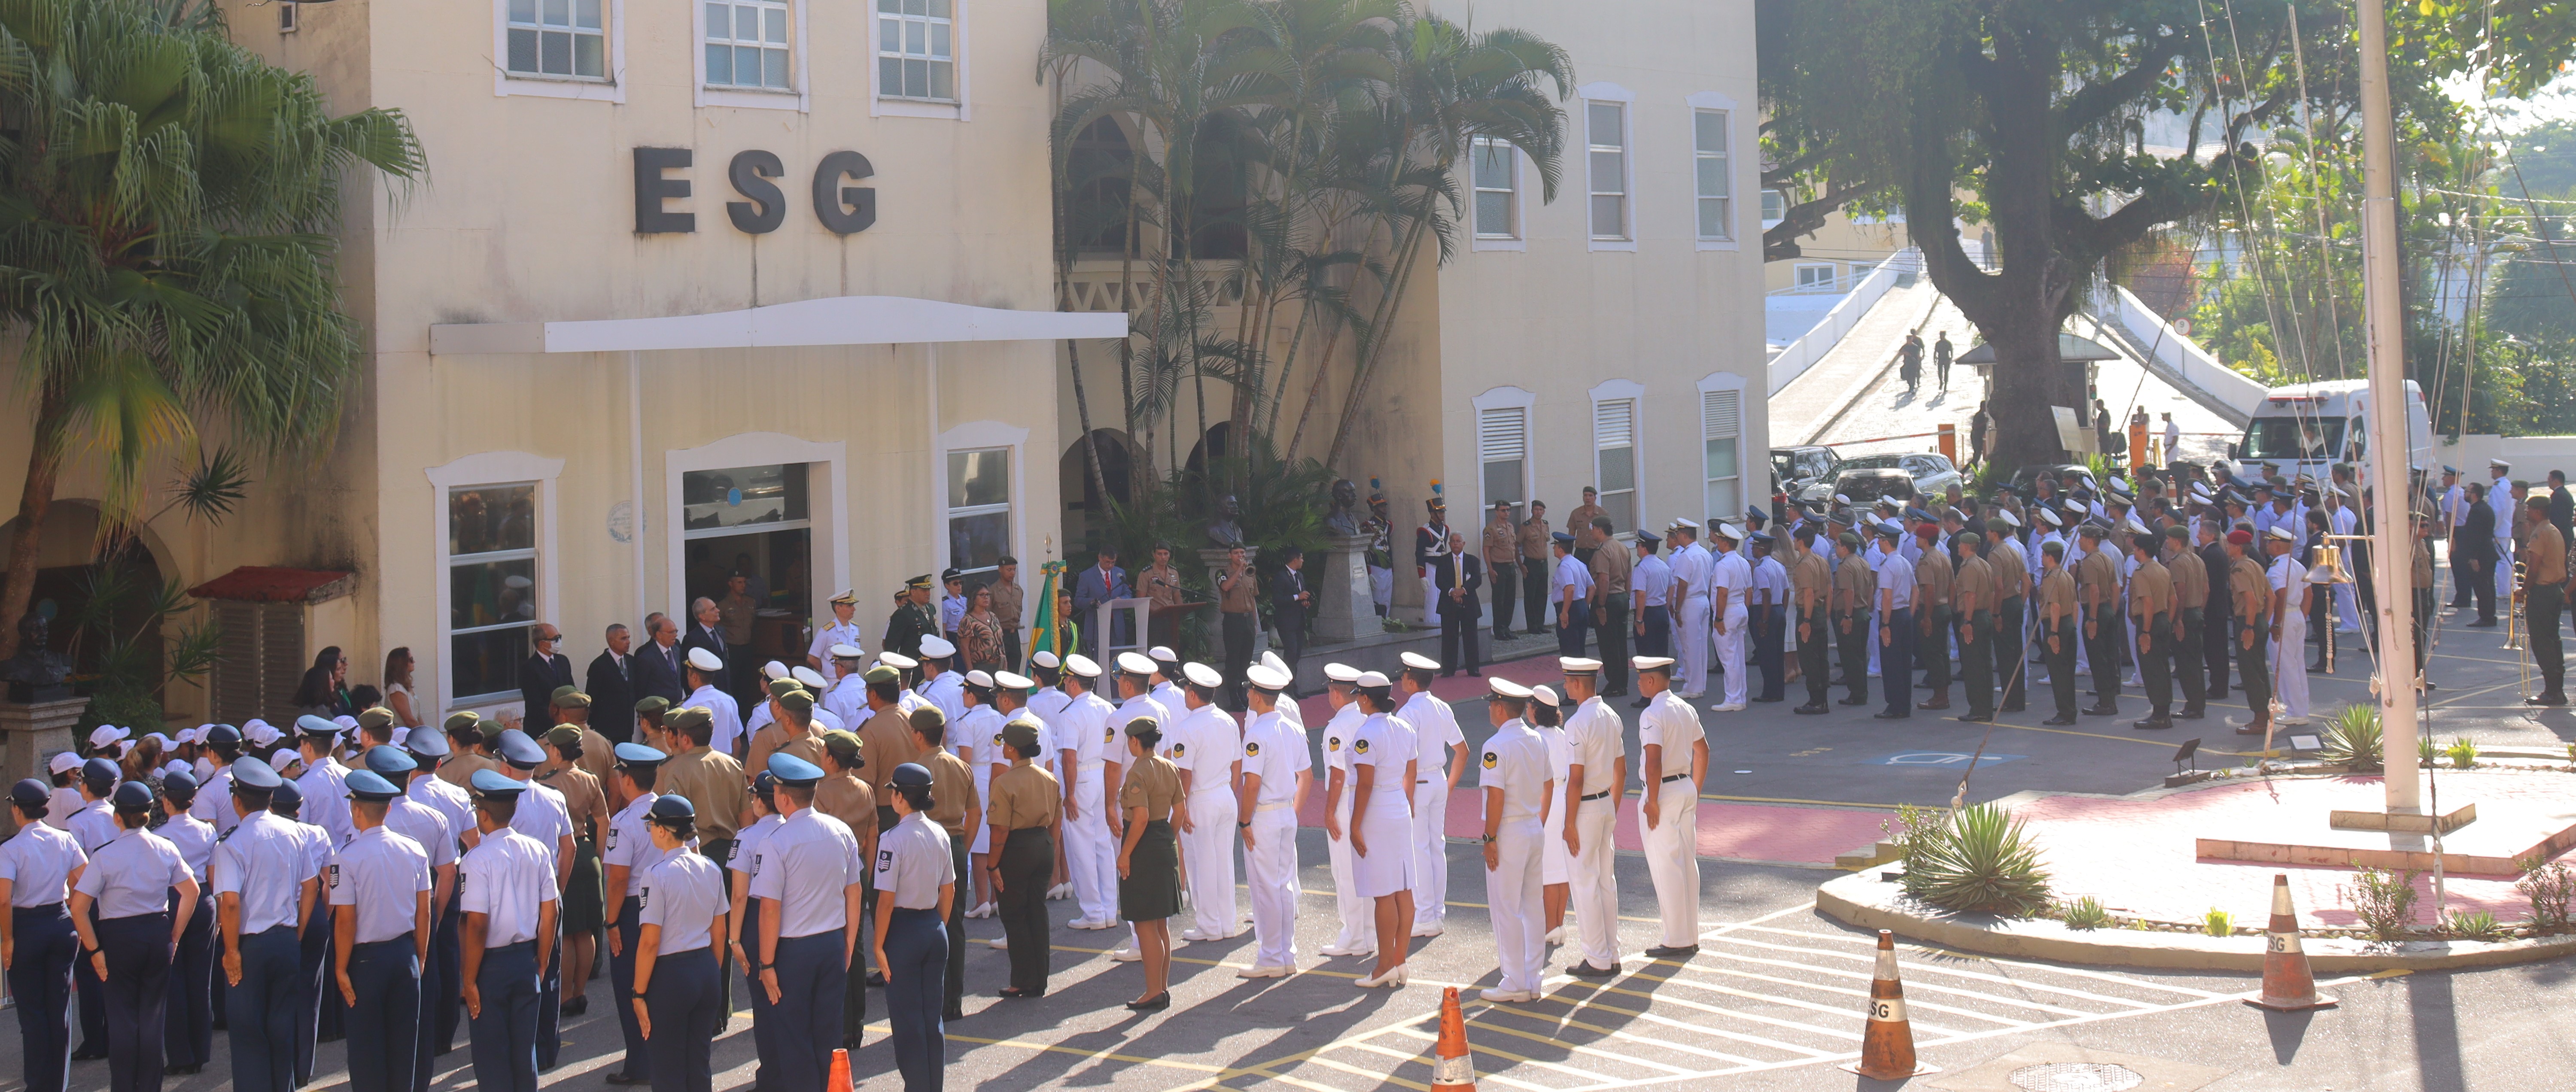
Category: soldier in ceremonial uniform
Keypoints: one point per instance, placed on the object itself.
(189, 1035)
(1932, 626)
(2544, 595)
(842, 631)
(1611, 569)
(916, 878)
(958, 812)
(567, 771)
(1274, 778)
(2057, 612)
(2191, 591)
(1811, 597)
(1027, 808)
(1538, 562)
(37, 867)
(509, 893)
(792, 730)
(1855, 588)
(712, 782)
(1895, 616)
(2249, 614)
(120, 904)
(1519, 787)
(2097, 588)
(1579, 524)
(1673, 767)
(1594, 780)
(1089, 749)
(2151, 604)
(809, 889)
(266, 883)
(912, 620)
(844, 795)
(380, 903)
(1973, 598)
(2011, 568)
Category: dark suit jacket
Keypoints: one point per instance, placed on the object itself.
(1089, 591)
(612, 695)
(538, 678)
(1448, 572)
(657, 672)
(2479, 530)
(694, 635)
(1285, 610)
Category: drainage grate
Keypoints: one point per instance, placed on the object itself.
(2075, 1077)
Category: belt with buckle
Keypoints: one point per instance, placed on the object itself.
(1675, 777)
(1595, 796)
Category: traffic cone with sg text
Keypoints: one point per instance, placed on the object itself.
(1887, 1043)
(840, 1079)
(2288, 985)
(1450, 1066)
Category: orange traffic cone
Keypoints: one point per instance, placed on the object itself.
(1451, 1068)
(840, 1080)
(1887, 1044)
(2288, 986)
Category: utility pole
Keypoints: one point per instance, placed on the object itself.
(2392, 542)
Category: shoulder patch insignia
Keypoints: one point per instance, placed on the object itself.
(1251, 748)
(1360, 746)
(1492, 760)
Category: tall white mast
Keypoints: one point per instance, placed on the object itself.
(2392, 543)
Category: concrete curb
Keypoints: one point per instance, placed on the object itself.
(1863, 900)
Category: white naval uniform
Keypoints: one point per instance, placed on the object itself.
(838, 633)
(1672, 844)
(1730, 571)
(721, 710)
(1690, 564)
(1276, 751)
(1206, 743)
(2500, 498)
(2289, 653)
(1383, 866)
(1359, 921)
(1556, 866)
(1596, 735)
(1515, 761)
(1090, 853)
(977, 740)
(1435, 731)
(2347, 604)
(948, 692)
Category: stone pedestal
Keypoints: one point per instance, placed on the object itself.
(1215, 560)
(34, 733)
(1338, 575)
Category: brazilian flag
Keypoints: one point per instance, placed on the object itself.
(1054, 633)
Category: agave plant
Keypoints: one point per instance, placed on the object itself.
(1987, 865)
(2353, 738)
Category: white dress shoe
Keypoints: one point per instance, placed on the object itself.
(1428, 930)
(1507, 996)
(1556, 935)
(1389, 979)
(999, 944)
(1127, 955)
(1264, 972)
(1193, 934)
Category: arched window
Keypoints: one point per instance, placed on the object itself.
(1097, 182)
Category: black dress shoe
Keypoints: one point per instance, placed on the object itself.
(577, 1006)
(1156, 1003)
(1975, 718)
(1887, 714)
(1811, 709)
(88, 1055)
(629, 1079)
(1853, 701)
(2551, 698)
(876, 980)
(2058, 722)
(1662, 951)
(2192, 714)
(2103, 711)
(2152, 723)
(1585, 969)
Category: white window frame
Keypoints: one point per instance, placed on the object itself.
(1518, 237)
(980, 436)
(490, 468)
(1626, 240)
(1710, 102)
(1824, 287)
(797, 97)
(959, 39)
(1769, 221)
(826, 481)
(609, 89)
(1712, 383)
(1633, 393)
(1507, 398)
(1860, 271)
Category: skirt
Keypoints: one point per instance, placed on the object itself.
(1387, 867)
(584, 903)
(1151, 890)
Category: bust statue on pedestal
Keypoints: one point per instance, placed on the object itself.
(37, 672)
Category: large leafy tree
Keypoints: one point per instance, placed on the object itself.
(2032, 115)
(166, 202)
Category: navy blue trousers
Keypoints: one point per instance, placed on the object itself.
(1896, 661)
(764, 1021)
(550, 1004)
(189, 1035)
(916, 948)
(93, 1010)
(687, 1001)
(384, 1025)
(1657, 640)
(312, 963)
(260, 1017)
(621, 976)
(505, 1036)
(136, 991)
(40, 977)
(447, 951)
(1770, 640)
(813, 975)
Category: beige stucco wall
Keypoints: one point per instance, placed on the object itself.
(1839, 242)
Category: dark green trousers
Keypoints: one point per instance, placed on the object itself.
(1977, 663)
(1854, 643)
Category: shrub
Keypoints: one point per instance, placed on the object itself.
(2084, 913)
(2218, 923)
(2463, 752)
(2385, 901)
(1914, 827)
(2548, 885)
(2479, 925)
(2425, 751)
(1985, 863)
(2353, 738)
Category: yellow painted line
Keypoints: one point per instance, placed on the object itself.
(1609, 1033)
(2398, 972)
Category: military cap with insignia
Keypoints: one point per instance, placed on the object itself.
(1081, 665)
(911, 775)
(922, 581)
(705, 660)
(671, 808)
(1266, 678)
(311, 725)
(848, 595)
(897, 661)
(813, 680)
(132, 796)
(1007, 680)
(935, 647)
(426, 743)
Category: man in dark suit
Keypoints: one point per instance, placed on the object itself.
(611, 686)
(1457, 576)
(544, 670)
(2474, 547)
(1100, 583)
(706, 630)
(1289, 601)
(657, 668)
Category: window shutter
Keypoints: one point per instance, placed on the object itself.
(1721, 414)
(260, 663)
(1614, 423)
(1502, 434)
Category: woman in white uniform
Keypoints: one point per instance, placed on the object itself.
(679, 996)
(1382, 775)
(1547, 717)
(1358, 934)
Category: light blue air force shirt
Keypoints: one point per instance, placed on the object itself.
(506, 879)
(683, 893)
(38, 863)
(133, 875)
(382, 874)
(264, 860)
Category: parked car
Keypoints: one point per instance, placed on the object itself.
(2067, 475)
(1866, 478)
(1795, 469)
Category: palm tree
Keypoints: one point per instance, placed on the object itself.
(166, 203)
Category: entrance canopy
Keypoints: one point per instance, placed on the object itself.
(840, 320)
